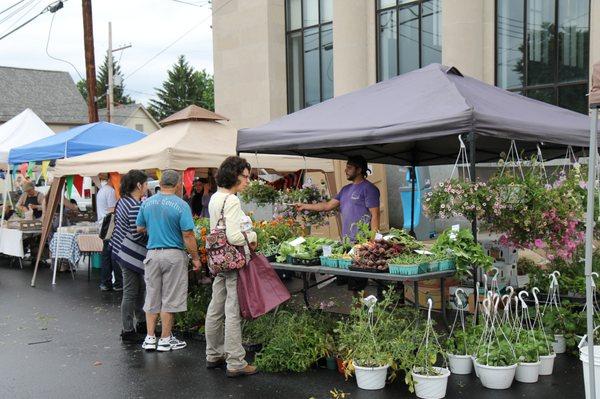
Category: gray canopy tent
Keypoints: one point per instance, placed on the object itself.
(414, 119)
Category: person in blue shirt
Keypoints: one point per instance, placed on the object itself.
(167, 219)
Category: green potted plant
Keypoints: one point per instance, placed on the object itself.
(527, 352)
(496, 361)
(430, 381)
(461, 247)
(459, 353)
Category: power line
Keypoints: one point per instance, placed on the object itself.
(33, 6)
(55, 58)
(191, 4)
(176, 40)
(52, 7)
(15, 12)
(14, 5)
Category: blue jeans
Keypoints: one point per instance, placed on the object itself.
(109, 266)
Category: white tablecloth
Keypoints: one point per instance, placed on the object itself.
(11, 242)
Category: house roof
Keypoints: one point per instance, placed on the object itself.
(123, 112)
(52, 95)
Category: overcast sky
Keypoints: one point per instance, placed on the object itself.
(148, 25)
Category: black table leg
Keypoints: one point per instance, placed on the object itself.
(443, 298)
(305, 288)
(416, 293)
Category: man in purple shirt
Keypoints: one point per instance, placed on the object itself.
(358, 201)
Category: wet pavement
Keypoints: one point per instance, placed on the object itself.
(63, 342)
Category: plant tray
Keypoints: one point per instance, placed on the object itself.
(447, 264)
(360, 269)
(344, 263)
(306, 262)
(271, 258)
(409, 270)
(433, 266)
(328, 262)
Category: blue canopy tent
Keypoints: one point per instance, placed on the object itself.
(77, 141)
(71, 143)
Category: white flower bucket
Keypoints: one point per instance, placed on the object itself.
(431, 386)
(460, 364)
(583, 356)
(560, 344)
(547, 364)
(496, 377)
(528, 372)
(474, 361)
(371, 378)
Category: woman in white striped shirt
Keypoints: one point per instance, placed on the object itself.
(133, 187)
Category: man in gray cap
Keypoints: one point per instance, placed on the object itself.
(170, 227)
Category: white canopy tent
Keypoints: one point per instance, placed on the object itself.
(23, 129)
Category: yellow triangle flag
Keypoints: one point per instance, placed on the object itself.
(158, 174)
(45, 165)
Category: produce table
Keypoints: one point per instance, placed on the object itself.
(306, 270)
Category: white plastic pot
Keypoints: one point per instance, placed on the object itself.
(431, 386)
(560, 344)
(528, 372)
(474, 361)
(493, 377)
(583, 356)
(460, 364)
(370, 378)
(547, 364)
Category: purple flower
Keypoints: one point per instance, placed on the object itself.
(539, 243)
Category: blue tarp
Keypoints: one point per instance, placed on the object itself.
(77, 141)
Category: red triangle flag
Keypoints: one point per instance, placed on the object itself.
(78, 184)
(188, 180)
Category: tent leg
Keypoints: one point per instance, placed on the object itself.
(60, 218)
(413, 179)
(473, 172)
(4, 201)
(589, 237)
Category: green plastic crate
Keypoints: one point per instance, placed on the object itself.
(447, 264)
(328, 262)
(96, 260)
(344, 263)
(408, 270)
(433, 266)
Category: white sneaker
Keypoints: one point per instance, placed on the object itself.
(170, 344)
(149, 343)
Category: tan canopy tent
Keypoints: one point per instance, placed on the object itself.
(192, 138)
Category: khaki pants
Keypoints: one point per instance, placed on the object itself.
(224, 340)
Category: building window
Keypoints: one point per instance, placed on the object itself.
(542, 50)
(409, 35)
(309, 40)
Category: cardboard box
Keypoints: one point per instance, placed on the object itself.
(425, 292)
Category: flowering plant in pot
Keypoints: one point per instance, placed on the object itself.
(285, 208)
(455, 198)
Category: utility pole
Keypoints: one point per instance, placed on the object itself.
(109, 93)
(90, 64)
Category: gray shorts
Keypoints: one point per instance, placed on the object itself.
(166, 276)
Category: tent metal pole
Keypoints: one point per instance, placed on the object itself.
(589, 237)
(413, 178)
(60, 218)
(473, 172)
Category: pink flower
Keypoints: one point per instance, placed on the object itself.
(539, 243)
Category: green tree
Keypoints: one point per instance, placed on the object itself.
(102, 85)
(184, 86)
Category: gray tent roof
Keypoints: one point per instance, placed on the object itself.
(415, 118)
(52, 95)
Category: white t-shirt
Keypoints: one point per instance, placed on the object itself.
(105, 199)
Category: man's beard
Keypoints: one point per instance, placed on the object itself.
(351, 177)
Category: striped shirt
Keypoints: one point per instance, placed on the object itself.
(127, 210)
